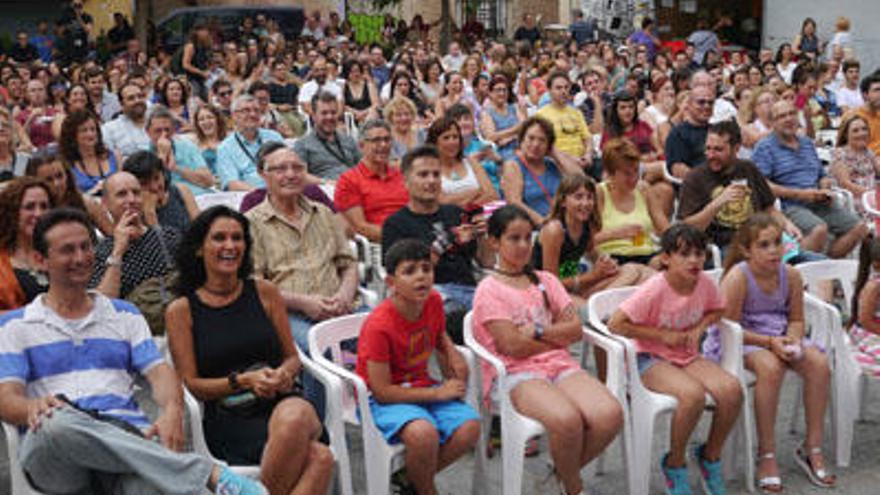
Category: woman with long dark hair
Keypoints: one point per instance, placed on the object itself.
(22, 201)
(83, 150)
(231, 344)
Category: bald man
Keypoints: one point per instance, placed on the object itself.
(135, 252)
(796, 176)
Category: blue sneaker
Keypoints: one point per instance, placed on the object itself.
(710, 473)
(676, 479)
(232, 483)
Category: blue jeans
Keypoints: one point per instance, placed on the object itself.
(456, 296)
(72, 452)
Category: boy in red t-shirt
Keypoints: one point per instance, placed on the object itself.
(394, 346)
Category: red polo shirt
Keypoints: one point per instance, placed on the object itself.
(379, 197)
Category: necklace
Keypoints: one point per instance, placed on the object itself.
(507, 273)
(222, 293)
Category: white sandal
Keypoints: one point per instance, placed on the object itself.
(769, 484)
(819, 477)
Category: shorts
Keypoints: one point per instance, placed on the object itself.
(642, 259)
(645, 360)
(809, 216)
(445, 417)
(515, 379)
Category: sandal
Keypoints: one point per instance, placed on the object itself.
(819, 477)
(769, 484)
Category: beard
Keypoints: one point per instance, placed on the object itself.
(137, 112)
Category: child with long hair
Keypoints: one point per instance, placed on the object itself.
(667, 317)
(526, 318)
(865, 331)
(765, 296)
(567, 237)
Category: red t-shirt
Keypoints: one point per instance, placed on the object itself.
(387, 337)
(640, 135)
(379, 198)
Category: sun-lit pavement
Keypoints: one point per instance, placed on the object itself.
(861, 478)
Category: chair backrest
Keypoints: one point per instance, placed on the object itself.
(325, 349)
(471, 342)
(602, 305)
(716, 274)
(843, 271)
(231, 199)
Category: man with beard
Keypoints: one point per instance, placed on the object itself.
(126, 133)
(318, 82)
(327, 151)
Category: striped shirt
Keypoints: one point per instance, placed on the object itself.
(798, 168)
(91, 361)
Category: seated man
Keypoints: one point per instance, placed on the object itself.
(237, 154)
(791, 166)
(180, 157)
(135, 252)
(574, 143)
(67, 367)
(372, 191)
(327, 151)
(126, 134)
(301, 247)
(447, 229)
(721, 194)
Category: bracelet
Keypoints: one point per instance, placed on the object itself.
(233, 381)
(577, 284)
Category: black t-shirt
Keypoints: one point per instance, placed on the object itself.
(686, 144)
(702, 185)
(27, 53)
(280, 94)
(455, 265)
(530, 35)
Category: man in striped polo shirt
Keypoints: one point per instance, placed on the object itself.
(67, 363)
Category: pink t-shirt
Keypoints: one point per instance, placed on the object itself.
(656, 304)
(495, 301)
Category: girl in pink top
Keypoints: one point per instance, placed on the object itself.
(667, 316)
(527, 319)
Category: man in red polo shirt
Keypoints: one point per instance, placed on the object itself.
(373, 190)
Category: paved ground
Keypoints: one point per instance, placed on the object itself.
(861, 478)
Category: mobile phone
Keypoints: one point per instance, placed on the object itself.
(471, 211)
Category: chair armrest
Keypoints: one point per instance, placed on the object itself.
(731, 337)
(870, 204)
(669, 177)
(615, 374)
(472, 396)
(361, 391)
(826, 330)
(368, 297)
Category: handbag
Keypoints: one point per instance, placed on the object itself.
(153, 295)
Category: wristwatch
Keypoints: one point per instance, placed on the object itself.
(233, 381)
(539, 332)
(113, 261)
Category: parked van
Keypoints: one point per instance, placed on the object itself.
(173, 31)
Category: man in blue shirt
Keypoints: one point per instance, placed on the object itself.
(44, 41)
(795, 174)
(581, 30)
(180, 156)
(237, 154)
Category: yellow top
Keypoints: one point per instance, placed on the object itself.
(570, 127)
(613, 218)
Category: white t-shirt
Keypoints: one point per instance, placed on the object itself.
(850, 98)
(723, 110)
(311, 88)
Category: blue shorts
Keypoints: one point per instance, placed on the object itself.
(445, 417)
(645, 360)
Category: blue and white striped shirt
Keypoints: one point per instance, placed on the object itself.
(92, 361)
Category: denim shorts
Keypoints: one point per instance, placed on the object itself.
(645, 360)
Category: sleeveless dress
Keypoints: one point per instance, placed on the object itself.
(539, 196)
(625, 250)
(504, 122)
(226, 339)
(455, 184)
(361, 103)
(85, 182)
(570, 253)
(865, 345)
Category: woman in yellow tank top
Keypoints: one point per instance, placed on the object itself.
(629, 214)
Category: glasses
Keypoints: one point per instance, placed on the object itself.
(283, 169)
(224, 94)
(379, 140)
(248, 110)
(704, 102)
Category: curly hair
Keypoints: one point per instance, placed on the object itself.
(10, 202)
(69, 129)
(89, 103)
(545, 126)
(439, 127)
(191, 265)
(184, 90)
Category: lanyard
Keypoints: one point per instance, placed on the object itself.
(250, 155)
(336, 154)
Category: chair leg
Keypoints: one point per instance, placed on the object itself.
(797, 406)
(513, 451)
(642, 440)
(378, 472)
(863, 397)
(479, 484)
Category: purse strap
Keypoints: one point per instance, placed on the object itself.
(169, 263)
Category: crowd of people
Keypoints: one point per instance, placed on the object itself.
(510, 179)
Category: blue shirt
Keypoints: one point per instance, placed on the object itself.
(237, 157)
(788, 167)
(187, 155)
(92, 361)
(44, 46)
(537, 196)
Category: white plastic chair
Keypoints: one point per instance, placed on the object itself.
(348, 403)
(351, 125)
(17, 478)
(646, 406)
(231, 199)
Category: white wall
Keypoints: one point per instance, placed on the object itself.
(783, 19)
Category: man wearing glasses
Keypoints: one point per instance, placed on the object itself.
(372, 191)
(237, 154)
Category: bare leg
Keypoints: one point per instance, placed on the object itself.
(601, 412)
(292, 427)
(845, 243)
(666, 378)
(665, 195)
(816, 239)
(318, 472)
(727, 392)
(814, 369)
(422, 446)
(460, 443)
(547, 404)
(770, 372)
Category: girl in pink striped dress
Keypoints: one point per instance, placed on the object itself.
(865, 332)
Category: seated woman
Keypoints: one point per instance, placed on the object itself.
(164, 203)
(501, 119)
(568, 237)
(22, 201)
(527, 320)
(209, 126)
(622, 121)
(864, 335)
(83, 150)
(662, 107)
(76, 97)
(477, 149)
(48, 167)
(531, 178)
(37, 116)
(765, 296)
(463, 181)
(630, 216)
(853, 164)
(755, 117)
(401, 113)
(12, 162)
(453, 92)
(174, 94)
(231, 345)
(359, 92)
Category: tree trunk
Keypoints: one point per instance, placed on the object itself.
(445, 26)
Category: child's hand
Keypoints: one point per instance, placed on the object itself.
(777, 346)
(451, 389)
(673, 338)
